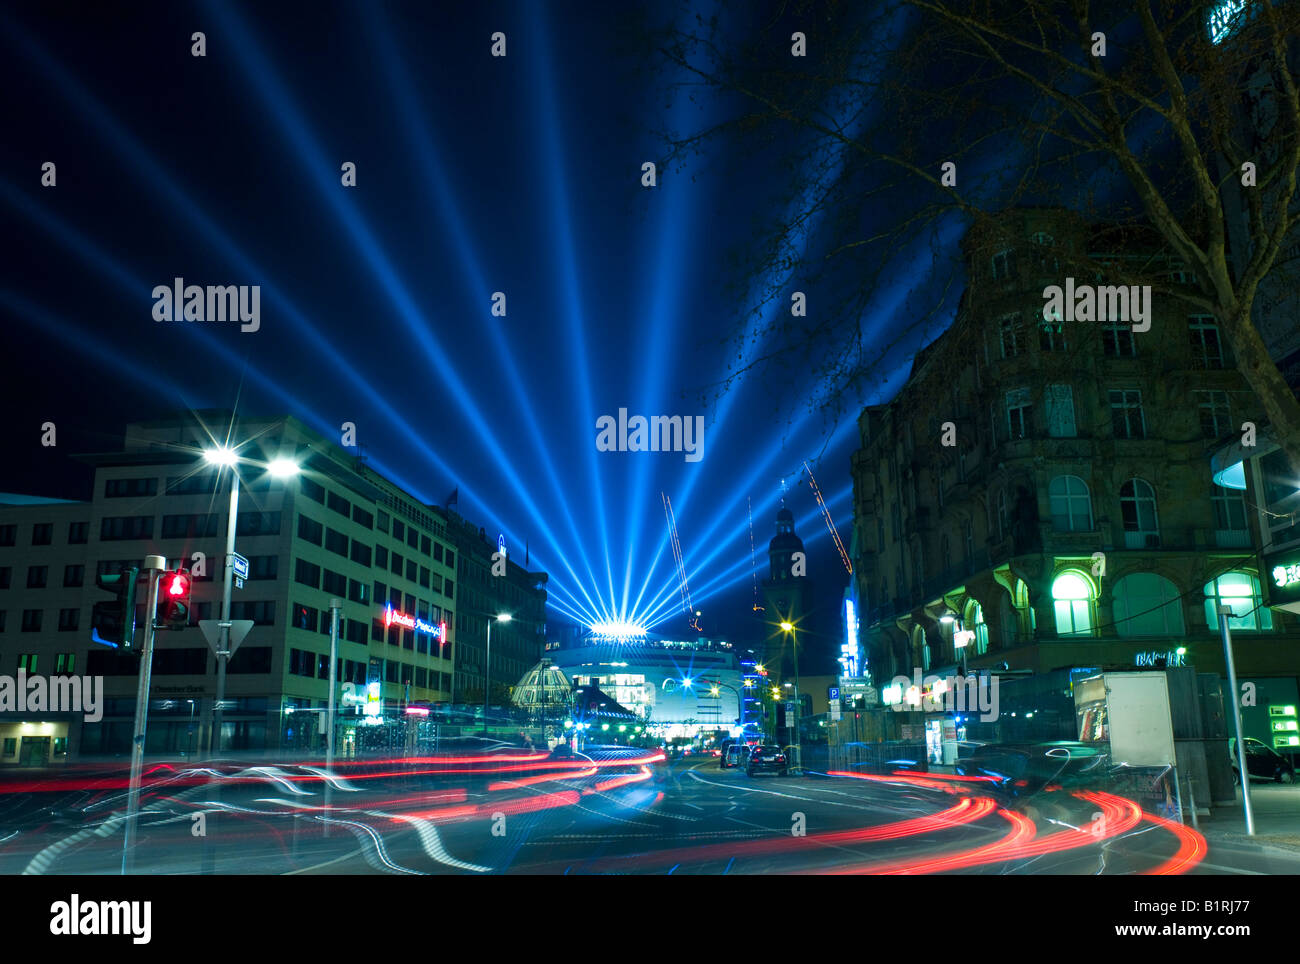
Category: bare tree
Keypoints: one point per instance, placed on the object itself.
(1163, 116)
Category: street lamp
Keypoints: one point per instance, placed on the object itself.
(487, 689)
(223, 456)
(788, 627)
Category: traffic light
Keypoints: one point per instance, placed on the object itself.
(113, 622)
(174, 600)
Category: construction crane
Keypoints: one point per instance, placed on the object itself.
(691, 615)
(817, 492)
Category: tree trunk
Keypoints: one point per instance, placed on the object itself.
(1261, 373)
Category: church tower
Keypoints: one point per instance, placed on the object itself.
(787, 597)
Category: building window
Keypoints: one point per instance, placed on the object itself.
(1207, 349)
(969, 538)
(1213, 408)
(126, 527)
(1240, 591)
(399, 530)
(1011, 335)
(360, 553)
(203, 525)
(1051, 335)
(310, 530)
(74, 576)
(1003, 264)
(1126, 415)
(340, 505)
(1060, 411)
(32, 620)
(335, 583)
(258, 524)
(1117, 341)
(1046, 259)
(6, 575)
(1137, 503)
(450, 559)
(1071, 504)
(129, 488)
(1147, 605)
(304, 617)
(1072, 594)
(65, 663)
(1019, 414)
(381, 557)
(312, 490)
(382, 523)
(78, 533)
(69, 620)
(37, 576)
(336, 542)
(27, 661)
(261, 612)
(362, 518)
(1230, 526)
(43, 533)
(8, 534)
(306, 573)
(1002, 513)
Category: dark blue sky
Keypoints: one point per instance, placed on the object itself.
(474, 175)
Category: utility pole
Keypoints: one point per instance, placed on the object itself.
(155, 566)
(335, 606)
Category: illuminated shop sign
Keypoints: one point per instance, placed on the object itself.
(393, 617)
(1283, 577)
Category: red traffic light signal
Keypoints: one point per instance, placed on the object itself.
(174, 599)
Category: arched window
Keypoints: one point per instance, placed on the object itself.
(1071, 504)
(1073, 594)
(1147, 605)
(1239, 590)
(973, 620)
(1137, 504)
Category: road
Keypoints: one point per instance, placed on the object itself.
(503, 810)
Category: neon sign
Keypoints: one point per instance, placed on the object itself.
(393, 617)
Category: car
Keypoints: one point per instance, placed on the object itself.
(733, 756)
(562, 751)
(767, 757)
(1262, 762)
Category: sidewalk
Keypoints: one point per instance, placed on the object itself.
(1276, 808)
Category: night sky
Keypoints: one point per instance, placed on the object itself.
(475, 174)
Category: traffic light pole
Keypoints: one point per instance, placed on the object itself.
(155, 565)
(223, 636)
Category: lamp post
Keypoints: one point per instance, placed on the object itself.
(487, 666)
(788, 627)
(226, 457)
(1225, 613)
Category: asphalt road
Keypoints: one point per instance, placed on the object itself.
(619, 812)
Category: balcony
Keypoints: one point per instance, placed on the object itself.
(1232, 538)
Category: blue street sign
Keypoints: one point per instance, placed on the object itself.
(240, 566)
(833, 692)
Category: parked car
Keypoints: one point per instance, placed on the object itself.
(1262, 762)
(733, 756)
(766, 757)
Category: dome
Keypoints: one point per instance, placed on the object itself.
(544, 687)
(785, 515)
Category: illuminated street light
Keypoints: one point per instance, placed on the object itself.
(283, 468)
(787, 626)
(221, 455)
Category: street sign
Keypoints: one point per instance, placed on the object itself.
(211, 629)
(833, 692)
(835, 709)
(240, 566)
